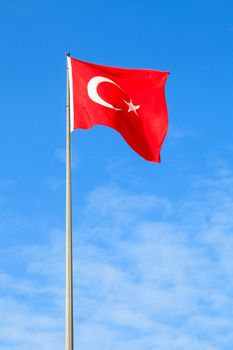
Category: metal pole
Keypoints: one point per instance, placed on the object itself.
(69, 262)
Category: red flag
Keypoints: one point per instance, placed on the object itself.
(131, 101)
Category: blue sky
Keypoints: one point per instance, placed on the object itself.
(152, 243)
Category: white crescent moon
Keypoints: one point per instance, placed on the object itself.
(93, 94)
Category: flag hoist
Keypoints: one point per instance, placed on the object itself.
(69, 259)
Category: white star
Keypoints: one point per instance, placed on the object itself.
(132, 107)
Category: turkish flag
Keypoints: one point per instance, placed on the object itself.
(131, 101)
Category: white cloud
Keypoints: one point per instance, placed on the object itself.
(23, 328)
(32, 301)
(148, 274)
(166, 282)
(122, 206)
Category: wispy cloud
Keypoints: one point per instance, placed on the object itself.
(3, 200)
(6, 183)
(179, 133)
(55, 183)
(161, 283)
(149, 274)
(60, 154)
(123, 206)
(31, 302)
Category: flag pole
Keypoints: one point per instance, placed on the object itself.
(69, 258)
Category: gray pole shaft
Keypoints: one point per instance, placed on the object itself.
(69, 262)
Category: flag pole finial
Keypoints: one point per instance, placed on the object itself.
(68, 54)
